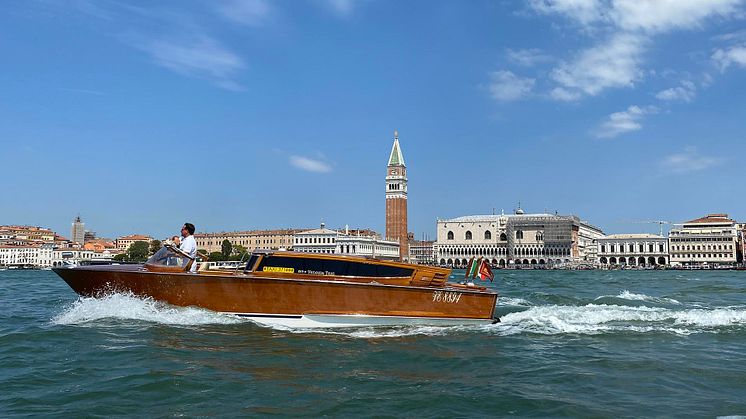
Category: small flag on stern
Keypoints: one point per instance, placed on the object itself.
(469, 268)
(475, 269)
(485, 272)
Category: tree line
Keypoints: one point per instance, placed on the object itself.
(140, 251)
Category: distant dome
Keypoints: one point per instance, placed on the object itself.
(519, 211)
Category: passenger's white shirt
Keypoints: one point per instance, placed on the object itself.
(189, 246)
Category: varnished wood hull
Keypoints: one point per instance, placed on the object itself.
(301, 302)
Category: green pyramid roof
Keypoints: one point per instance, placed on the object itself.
(396, 158)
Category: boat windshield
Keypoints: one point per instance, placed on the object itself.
(169, 256)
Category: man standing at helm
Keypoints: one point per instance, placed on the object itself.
(188, 244)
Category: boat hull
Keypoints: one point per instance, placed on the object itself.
(292, 302)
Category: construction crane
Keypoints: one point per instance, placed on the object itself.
(659, 222)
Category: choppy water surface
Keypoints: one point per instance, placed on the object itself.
(583, 343)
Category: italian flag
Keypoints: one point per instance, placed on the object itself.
(472, 272)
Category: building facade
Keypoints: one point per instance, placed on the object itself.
(367, 246)
(516, 240)
(324, 240)
(396, 199)
(62, 256)
(281, 239)
(633, 250)
(708, 241)
(123, 243)
(26, 233)
(587, 249)
(26, 256)
(421, 251)
(77, 232)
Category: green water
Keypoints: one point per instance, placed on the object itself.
(571, 343)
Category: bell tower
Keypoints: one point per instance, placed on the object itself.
(396, 199)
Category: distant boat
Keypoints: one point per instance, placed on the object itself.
(298, 289)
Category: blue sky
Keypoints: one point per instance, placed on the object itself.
(248, 114)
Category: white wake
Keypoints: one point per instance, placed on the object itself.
(596, 319)
(130, 307)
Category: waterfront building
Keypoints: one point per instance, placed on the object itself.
(396, 199)
(517, 239)
(26, 233)
(421, 251)
(62, 256)
(632, 250)
(367, 246)
(320, 240)
(708, 241)
(281, 239)
(587, 248)
(77, 233)
(123, 243)
(38, 255)
(324, 240)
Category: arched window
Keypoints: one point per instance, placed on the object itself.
(519, 234)
(450, 235)
(487, 235)
(503, 237)
(468, 235)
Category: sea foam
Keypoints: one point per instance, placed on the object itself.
(130, 307)
(631, 296)
(596, 319)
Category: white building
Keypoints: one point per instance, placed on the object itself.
(518, 239)
(29, 255)
(632, 250)
(62, 256)
(588, 236)
(324, 240)
(708, 241)
(421, 251)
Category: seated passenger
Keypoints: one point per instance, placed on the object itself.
(188, 244)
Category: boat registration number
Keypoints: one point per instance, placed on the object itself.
(446, 297)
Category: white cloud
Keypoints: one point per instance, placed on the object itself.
(201, 57)
(564, 95)
(245, 12)
(666, 15)
(690, 160)
(622, 122)
(506, 86)
(630, 25)
(724, 58)
(686, 92)
(584, 11)
(614, 64)
(528, 57)
(310, 165)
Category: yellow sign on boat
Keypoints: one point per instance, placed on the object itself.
(278, 269)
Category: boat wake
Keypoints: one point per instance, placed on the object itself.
(631, 296)
(590, 319)
(130, 307)
(602, 318)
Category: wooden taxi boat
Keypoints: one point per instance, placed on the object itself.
(298, 289)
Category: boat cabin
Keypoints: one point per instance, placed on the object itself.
(293, 265)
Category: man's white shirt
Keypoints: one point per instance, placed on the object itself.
(189, 246)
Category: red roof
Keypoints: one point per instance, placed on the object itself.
(712, 218)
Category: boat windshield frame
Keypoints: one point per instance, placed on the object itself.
(171, 257)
